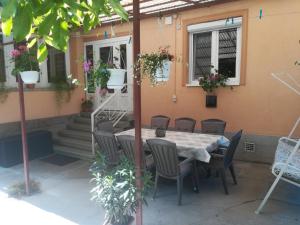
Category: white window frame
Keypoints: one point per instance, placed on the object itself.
(11, 80)
(215, 27)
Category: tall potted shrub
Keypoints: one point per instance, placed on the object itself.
(156, 66)
(26, 65)
(209, 83)
(115, 190)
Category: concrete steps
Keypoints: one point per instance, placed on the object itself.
(76, 139)
(73, 152)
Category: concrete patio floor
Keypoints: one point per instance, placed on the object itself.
(65, 199)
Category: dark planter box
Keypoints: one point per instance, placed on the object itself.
(211, 101)
(39, 145)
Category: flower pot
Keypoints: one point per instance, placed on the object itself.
(30, 77)
(211, 101)
(160, 132)
(116, 80)
(30, 86)
(163, 74)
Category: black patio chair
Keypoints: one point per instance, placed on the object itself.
(185, 124)
(168, 165)
(127, 143)
(160, 121)
(213, 126)
(222, 161)
(106, 126)
(109, 146)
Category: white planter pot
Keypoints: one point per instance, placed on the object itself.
(116, 80)
(163, 74)
(30, 77)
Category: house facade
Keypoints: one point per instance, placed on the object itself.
(252, 38)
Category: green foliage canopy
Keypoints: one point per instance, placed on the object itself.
(50, 22)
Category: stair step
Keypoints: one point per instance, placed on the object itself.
(73, 143)
(79, 127)
(73, 152)
(81, 135)
(86, 114)
(82, 120)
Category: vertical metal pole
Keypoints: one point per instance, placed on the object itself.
(24, 136)
(137, 109)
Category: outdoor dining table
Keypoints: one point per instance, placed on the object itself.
(195, 145)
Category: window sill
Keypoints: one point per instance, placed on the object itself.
(14, 89)
(198, 85)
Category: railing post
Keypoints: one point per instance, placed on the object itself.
(93, 128)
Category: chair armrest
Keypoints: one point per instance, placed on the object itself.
(188, 160)
(217, 156)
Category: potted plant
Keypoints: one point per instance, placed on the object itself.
(87, 105)
(156, 65)
(26, 65)
(210, 82)
(105, 75)
(115, 190)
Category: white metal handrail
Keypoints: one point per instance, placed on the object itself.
(114, 108)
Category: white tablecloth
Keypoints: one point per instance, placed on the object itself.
(194, 145)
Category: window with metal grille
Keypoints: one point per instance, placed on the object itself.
(215, 46)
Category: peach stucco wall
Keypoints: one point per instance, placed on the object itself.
(261, 106)
(41, 103)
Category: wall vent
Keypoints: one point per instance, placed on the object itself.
(249, 146)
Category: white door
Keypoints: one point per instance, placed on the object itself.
(119, 52)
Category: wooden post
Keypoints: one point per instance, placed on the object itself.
(137, 109)
(24, 135)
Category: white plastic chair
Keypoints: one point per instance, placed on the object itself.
(286, 165)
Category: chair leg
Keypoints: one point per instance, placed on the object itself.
(155, 185)
(223, 177)
(195, 177)
(231, 168)
(179, 189)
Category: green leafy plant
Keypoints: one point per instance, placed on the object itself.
(24, 59)
(210, 82)
(64, 88)
(99, 73)
(150, 63)
(3, 92)
(115, 190)
(51, 22)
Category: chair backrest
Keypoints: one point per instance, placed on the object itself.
(108, 145)
(160, 121)
(127, 143)
(106, 126)
(234, 142)
(213, 126)
(165, 157)
(185, 124)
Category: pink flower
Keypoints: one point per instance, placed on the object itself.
(15, 53)
(87, 66)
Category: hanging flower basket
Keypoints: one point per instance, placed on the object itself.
(163, 73)
(116, 80)
(156, 66)
(30, 77)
